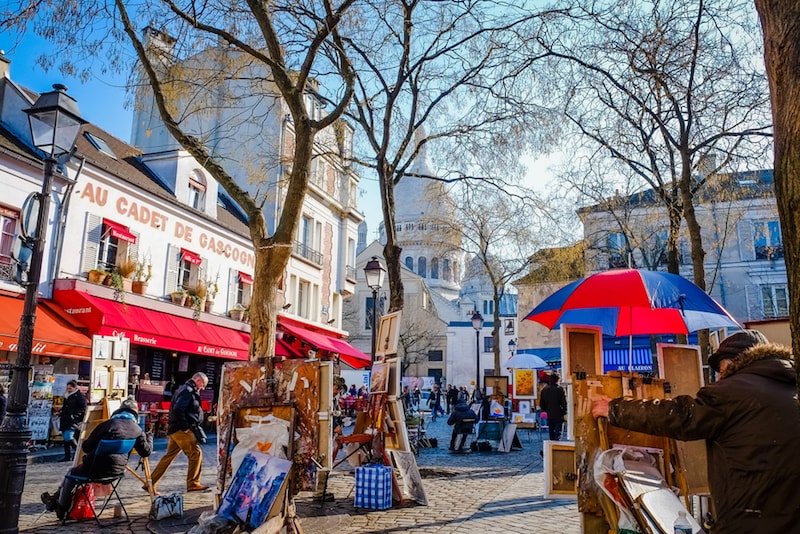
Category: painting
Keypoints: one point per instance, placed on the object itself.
(388, 335)
(495, 386)
(379, 378)
(409, 472)
(561, 473)
(524, 384)
(254, 489)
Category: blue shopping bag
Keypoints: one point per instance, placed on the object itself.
(374, 486)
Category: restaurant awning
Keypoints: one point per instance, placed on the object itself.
(53, 333)
(153, 328)
(347, 353)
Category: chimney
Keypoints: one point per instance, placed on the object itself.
(5, 65)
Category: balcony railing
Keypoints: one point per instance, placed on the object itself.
(769, 252)
(306, 252)
(350, 273)
(6, 271)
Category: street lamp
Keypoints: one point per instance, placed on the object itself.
(477, 324)
(512, 346)
(55, 123)
(374, 272)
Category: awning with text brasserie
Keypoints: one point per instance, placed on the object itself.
(53, 333)
(347, 353)
(153, 328)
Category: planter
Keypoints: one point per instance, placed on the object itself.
(236, 315)
(209, 306)
(96, 277)
(178, 298)
(138, 287)
(127, 285)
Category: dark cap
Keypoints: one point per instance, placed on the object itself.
(735, 344)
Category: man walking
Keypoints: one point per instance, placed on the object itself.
(452, 397)
(553, 401)
(71, 418)
(435, 402)
(185, 432)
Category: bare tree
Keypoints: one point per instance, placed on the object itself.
(271, 50)
(782, 55)
(447, 75)
(657, 87)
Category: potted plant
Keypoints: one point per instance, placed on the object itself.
(178, 297)
(212, 289)
(97, 276)
(126, 267)
(142, 275)
(237, 312)
(196, 297)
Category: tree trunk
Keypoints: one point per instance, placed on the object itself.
(392, 251)
(780, 22)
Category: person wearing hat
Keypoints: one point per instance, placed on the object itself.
(123, 424)
(751, 423)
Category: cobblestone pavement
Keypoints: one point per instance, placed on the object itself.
(478, 492)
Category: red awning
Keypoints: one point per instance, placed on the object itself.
(53, 334)
(347, 353)
(191, 257)
(245, 278)
(153, 328)
(119, 231)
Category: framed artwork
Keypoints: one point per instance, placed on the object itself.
(495, 385)
(254, 489)
(524, 384)
(581, 352)
(560, 471)
(525, 407)
(379, 378)
(388, 335)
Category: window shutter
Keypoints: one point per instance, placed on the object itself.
(747, 249)
(91, 242)
(173, 259)
(202, 272)
(133, 248)
(233, 285)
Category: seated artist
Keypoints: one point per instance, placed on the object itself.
(462, 420)
(123, 424)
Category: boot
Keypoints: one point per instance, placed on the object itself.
(67, 451)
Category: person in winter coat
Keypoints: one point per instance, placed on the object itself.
(71, 418)
(185, 433)
(435, 402)
(751, 423)
(553, 401)
(123, 424)
(3, 402)
(462, 419)
(452, 397)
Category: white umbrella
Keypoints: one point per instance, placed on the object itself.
(526, 361)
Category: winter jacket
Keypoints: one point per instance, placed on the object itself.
(3, 402)
(185, 412)
(122, 425)
(463, 418)
(72, 411)
(553, 400)
(452, 396)
(751, 423)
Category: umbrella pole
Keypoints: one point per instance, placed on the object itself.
(630, 353)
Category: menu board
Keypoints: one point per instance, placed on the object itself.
(157, 371)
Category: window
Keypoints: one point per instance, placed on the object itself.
(197, 191)
(775, 301)
(188, 269)
(8, 228)
(422, 266)
(617, 250)
(244, 289)
(446, 274)
(435, 355)
(488, 308)
(109, 248)
(303, 296)
(410, 263)
(488, 344)
(767, 240)
(435, 268)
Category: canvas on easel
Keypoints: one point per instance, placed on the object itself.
(388, 336)
(561, 473)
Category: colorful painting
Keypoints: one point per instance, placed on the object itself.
(254, 489)
(524, 384)
(379, 378)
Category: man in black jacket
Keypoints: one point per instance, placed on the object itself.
(185, 432)
(462, 419)
(73, 410)
(123, 424)
(553, 401)
(751, 424)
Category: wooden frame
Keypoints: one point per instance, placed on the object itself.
(499, 385)
(560, 468)
(388, 335)
(379, 377)
(525, 384)
(581, 351)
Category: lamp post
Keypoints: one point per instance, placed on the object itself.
(55, 123)
(512, 346)
(477, 324)
(374, 272)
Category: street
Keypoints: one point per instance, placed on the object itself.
(477, 492)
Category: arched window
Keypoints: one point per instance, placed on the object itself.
(422, 267)
(446, 270)
(434, 268)
(197, 190)
(410, 263)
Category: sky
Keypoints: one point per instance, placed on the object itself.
(102, 101)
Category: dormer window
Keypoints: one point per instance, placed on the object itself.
(197, 191)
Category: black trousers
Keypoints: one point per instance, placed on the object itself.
(554, 426)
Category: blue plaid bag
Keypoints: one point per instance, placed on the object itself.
(374, 486)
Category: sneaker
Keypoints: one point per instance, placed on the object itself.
(199, 487)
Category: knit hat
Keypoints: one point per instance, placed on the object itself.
(129, 405)
(735, 344)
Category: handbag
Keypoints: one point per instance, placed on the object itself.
(167, 506)
(82, 503)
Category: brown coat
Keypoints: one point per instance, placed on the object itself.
(751, 423)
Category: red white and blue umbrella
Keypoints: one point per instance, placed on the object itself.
(628, 302)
